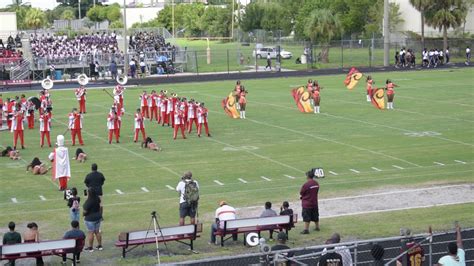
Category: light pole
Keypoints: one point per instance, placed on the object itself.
(125, 43)
(386, 34)
(79, 2)
(172, 16)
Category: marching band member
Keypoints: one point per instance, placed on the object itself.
(179, 122)
(60, 163)
(370, 81)
(192, 116)
(154, 105)
(139, 126)
(46, 105)
(75, 125)
(30, 115)
(184, 105)
(164, 110)
(242, 102)
(390, 93)
(171, 108)
(24, 103)
(120, 111)
(202, 119)
(316, 98)
(237, 90)
(81, 98)
(10, 111)
(113, 124)
(45, 128)
(144, 104)
(118, 91)
(309, 86)
(17, 126)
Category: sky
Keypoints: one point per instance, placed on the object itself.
(47, 4)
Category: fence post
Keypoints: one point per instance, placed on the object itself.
(355, 254)
(431, 249)
(342, 53)
(228, 66)
(256, 58)
(196, 61)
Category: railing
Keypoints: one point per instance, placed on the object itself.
(21, 71)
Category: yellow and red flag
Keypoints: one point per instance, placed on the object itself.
(230, 106)
(302, 99)
(378, 98)
(352, 78)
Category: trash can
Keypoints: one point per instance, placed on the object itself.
(304, 60)
(58, 75)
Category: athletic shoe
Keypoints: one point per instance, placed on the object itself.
(99, 248)
(317, 229)
(90, 249)
(305, 232)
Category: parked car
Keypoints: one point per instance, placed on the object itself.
(263, 52)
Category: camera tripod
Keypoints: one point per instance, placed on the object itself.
(156, 230)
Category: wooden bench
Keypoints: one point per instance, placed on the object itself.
(130, 240)
(39, 249)
(257, 225)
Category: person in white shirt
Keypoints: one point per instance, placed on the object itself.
(186, 208)
(223, 213)
(468, 56)
(456, 255)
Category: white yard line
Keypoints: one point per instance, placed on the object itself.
(376, 169)
(458, 161)
(14, 200)
(333, 173)
(438, 163)
(290, 177)
(265, 178)
(355, 171)
(42, 197)
(218, 182)
(398, 167)
(242, 180)
(169, 187)
(145, 189)
(119, 191)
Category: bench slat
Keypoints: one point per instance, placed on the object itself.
(256, 222)
(40, 246)
(165, 232)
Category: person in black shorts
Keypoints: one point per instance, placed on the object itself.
(309, 202)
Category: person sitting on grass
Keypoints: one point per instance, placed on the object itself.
(13, 154)
(149, 144)
(37, 167)
(81, 156)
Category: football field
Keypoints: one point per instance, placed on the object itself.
(426, 141)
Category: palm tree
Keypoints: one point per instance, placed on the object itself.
(444, 14)
(322, 25)
(35, 18)
(421, 6)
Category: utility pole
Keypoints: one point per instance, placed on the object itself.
(79, 2)
(125, 43)
(386, 34)
(172, 17)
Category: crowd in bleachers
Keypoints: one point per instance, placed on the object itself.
(149, 42)
(8, 51)
(61, 49)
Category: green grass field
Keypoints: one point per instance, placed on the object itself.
(432, 122)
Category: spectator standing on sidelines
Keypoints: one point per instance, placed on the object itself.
(95, 180)
(113, 70)
(309, 202)
(188, 190)
(269, 62)
(468, 56)
(92, 219)
(223, 213)
(78, 234)
(73, 204)
(11, 237)
(446, 55)
(456, 255)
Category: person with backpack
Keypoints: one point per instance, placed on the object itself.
(188, 190)
(73, 204)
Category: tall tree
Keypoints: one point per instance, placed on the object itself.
(322, 25)
(35, 18)
(444, 14)
(421, 6)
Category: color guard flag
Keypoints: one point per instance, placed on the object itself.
(378, 98)
(302, 99)
(230, 106)
(352, 78)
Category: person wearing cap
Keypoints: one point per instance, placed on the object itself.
(60, 163)
(456, 254)
(223, 213)
(341, 250)
(309, 202)
(282, 238)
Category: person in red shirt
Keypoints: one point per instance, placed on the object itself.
(179, 122)
(164, 110)
(309, 202)
(45, 128)
(113, 124)
(30, 107)
(154, 106)
(144, 98)
(139, 126)
(118, 92)
(390, 93)
(10, 111)
(415, 255)
(172, 107)
(202, 119)
(370, 82)
(75, 125)
(192, 115)
(17, 126)
(81, 98)
(243, 102)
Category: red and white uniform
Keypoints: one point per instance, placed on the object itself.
(44, 105)
(170, 111)
(144, 103)
(139, 126)
(81, 98)
(118, 91)
(30, 114)
(60, 163)
(17, 128)
(45, 128)
(179, 122)
(369, 90)
(202, 119)
(75, 125)
(164, 111)
(113, 124)
(192, 116)
(10, 111)
(154, 106)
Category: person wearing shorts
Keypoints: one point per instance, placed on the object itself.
(309, 202)
(92, 219)
(186, 209)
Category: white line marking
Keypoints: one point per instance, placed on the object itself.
(266, 178)
(398, 167)
(458, 161)
(218, 182)
(355, 171)
(169, 187)
(119, 191)
(243, 181)
(376, 169)
(145, 189)
(333, 173)
(291, 177)
(42, 197)
(438, 163)
(14, 200)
